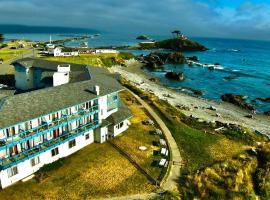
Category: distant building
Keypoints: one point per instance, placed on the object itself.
(71, 107)
(50, 46)
(105, 51)
(63, 51)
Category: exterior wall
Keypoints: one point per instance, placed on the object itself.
(101, 135)
(60, 78)
(117, 131)
(23, 78)
(58, 52)
(37, 82)
(104, 108)
(25, 168)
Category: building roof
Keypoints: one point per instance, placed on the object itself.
(46, 65)
(122, 114)
(30, 105)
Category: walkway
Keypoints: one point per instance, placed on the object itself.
(171, 182)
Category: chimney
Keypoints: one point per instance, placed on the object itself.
(62, 75)
(96, 90)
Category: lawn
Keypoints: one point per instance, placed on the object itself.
(97, 170)
(7, 54)
(139, 135)
(97, 60)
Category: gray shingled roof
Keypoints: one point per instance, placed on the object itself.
(122, 114)
(78, 72)
(45, 64)
(26, 106)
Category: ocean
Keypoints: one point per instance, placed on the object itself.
(244, 65)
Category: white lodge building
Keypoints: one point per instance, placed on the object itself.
(61, 109)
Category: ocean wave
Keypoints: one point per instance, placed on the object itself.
(227, 70)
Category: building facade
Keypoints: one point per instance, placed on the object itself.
(52, 122)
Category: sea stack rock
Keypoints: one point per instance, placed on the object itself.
(175, 76)
(178, 44)
(143, 37)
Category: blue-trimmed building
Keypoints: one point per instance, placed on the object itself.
(57, 109)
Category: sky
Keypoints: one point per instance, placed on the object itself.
(206, 18)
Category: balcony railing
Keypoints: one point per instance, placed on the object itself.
(44, 129)
(47, 145)
(62, 118)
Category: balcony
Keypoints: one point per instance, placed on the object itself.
(47, 145)
(45, 128)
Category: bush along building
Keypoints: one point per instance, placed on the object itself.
(59, 108)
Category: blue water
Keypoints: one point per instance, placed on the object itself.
(248, 60)
(250, 64)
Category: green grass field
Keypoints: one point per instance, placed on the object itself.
(97, 60)
(7, 54)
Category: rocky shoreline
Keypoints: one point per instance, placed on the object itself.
(197, 107)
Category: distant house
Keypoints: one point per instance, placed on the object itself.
(62, 51)
(105, 51)
(50, 46)
(21, 46)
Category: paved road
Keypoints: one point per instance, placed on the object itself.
(172, 181)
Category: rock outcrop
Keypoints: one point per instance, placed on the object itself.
(193, 58)
(237, 100)
(143, 37)
(178, 44)
(264, 99)
(175, 76)
(156, 60)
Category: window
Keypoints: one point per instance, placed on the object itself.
(12, 171)
(35, 161)
(118, 126)
(72, 143)
(121, 125)
(115, 98)
(55, 151)
(87, 136)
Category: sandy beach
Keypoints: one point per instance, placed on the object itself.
(203, 109)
